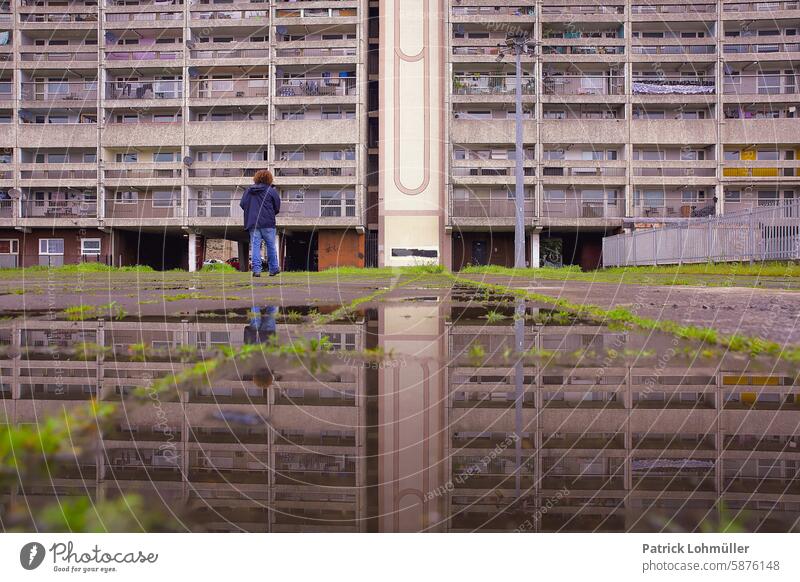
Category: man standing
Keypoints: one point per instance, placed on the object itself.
(261, 203)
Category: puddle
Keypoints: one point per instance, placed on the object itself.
(470, 421)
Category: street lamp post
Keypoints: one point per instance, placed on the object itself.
(518, 44)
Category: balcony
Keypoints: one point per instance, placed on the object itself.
(62, 92)
(681, 49)
(131, 57)
(769, 170)
(54, 208)
(657, 204)
(318, 51)
(7, 208)
(673, 85)
(312, 169)
(144, 90)
(762, 8)
(143, 19)
(87, 19)
(777, 84)
(524, 13)
(501, 205)
(585, 85)
(674, 169)
(226, 89)
(317, 87)
(136, 205)
(236, 50)
(315, 14)
(748, 50)
(488, 85)
(223, 17)
(71, 172)
(556, 204)
(141, 172)
(582, 170)
(706, 9)
(37, 56)
(594, 49)
(229, 475)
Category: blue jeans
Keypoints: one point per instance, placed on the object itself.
(268, 235)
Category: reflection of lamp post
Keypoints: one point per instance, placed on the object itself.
(517, 43)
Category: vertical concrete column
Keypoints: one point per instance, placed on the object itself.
(413, 146)
(244, 255)
(719, 115)
(192, 252)
(535, 254)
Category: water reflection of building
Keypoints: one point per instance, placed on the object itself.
(207, 448)
(628, 444)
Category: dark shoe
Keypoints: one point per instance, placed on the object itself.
(256, 274)
(275, 273)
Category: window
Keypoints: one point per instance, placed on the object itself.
(9, 246)
(555, 195)
(90, 158)
(51, 246)
(126, 197)
(165, 117)
(733, 196)
(162, 157)
(90, 247)
(768, 155)
(767, 197)
(128, 158)
(163, 199)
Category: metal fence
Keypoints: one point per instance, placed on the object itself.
(767, 233)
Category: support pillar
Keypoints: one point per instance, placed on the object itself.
(192, 252)
(244, 255)
(535, 260)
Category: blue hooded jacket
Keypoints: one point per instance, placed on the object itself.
(260, 204)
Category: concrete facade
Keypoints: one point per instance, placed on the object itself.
(393, 121)
(151, 117)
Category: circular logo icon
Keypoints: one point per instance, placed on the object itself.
(31, 555)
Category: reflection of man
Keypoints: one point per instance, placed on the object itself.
(260, 331)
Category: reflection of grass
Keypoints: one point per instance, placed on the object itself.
(83, 312)
(493, 316)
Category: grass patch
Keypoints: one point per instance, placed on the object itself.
(218, 268)
(83, 312)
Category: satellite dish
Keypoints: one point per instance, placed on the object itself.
(193, 72)
(281, 30)
(188, 161)
(190, 44)
(111, 38)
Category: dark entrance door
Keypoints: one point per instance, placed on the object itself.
(480, 252)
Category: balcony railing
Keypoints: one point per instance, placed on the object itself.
(685, 8)
(674, 85)
(491, 85)
(315, 170)
(315, 12)
(249, 15)
(579, 170)
(228, 88)
(317, 87)
(674, 49)
(581, 207)
(223, 172)
(764, 6)
(344, 51)
(672, 207)
(582, 9)
(141, 208)
(667, 169)
(583, 85)
(232, 53)
(489, 11)
(490, 207)
(761, 84)
(59, 209)
(761, 48)
(142, 173)
(145, 17)
(6, 208)
(66, 91)
(144, 55)
(569, 49)
(57, 17)
(152, 89)
(59, 57)
(85, 174)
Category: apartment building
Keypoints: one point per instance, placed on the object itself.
(635, 112)
(131, 127)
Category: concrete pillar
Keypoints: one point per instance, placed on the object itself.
(534, 260)
(244, 255)
(192, 252)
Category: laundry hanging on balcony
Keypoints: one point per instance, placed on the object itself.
(642, 88)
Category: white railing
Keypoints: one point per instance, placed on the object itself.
(768, 233)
